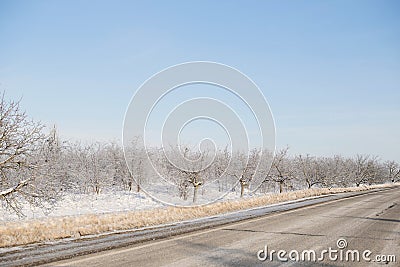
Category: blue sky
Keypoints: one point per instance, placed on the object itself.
(330, 70)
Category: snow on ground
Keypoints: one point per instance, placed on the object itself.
(77, 204)
(105, 202)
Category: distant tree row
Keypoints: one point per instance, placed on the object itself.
(39, 168)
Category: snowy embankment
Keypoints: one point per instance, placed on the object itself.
(94, 219)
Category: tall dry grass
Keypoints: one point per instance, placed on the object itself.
(32, 231)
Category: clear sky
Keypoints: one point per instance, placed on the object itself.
(330, 70)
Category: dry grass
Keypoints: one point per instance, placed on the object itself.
(32, 231)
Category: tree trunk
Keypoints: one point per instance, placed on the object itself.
(195, 188)
(241, 189)
(280, 186)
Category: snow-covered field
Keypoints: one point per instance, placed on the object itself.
(105, 202)
(78, 204)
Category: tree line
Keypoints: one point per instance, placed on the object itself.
(39, 168)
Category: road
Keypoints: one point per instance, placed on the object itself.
(366, 222)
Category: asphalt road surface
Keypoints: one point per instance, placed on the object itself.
(367, 222)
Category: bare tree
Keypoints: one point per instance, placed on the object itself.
(187, 167)
(93, 167)
(361, 169)
(281, 171)
(392, 171)
(313, 170)
(117, 161)
(25, 174)
(335, 172)
(138, 163)
(220, 166)
(55, 161)
(192, 172)
(246, 167)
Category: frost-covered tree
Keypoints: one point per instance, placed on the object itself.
(310, 169)
(93, 168)
(187, 167)
(392, 171)
(56, 161)
(361, 169)
(139, 166)
(26, 175)
(335, 171)
(220, 171)
(282, 170)
(245, 168)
